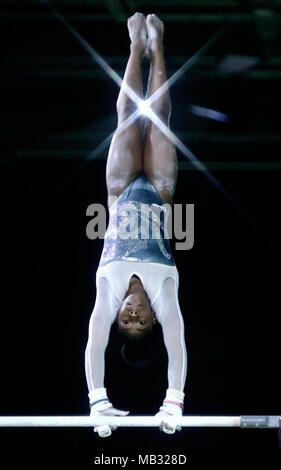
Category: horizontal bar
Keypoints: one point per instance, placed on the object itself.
(140, 421)
(120, 421)
(260, 422)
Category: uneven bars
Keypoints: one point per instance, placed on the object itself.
(140, 421)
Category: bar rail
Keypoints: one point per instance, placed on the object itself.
(140, 421)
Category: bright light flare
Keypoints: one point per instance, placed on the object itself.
(144, 107)
(189, 63)
(231, 63)
(191, 157)
(208, 113)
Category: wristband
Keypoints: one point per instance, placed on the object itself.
(173, 403)
(174, 395)
(98, 400)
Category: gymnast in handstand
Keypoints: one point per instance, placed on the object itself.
(137, 279)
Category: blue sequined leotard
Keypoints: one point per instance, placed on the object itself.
(137, 229)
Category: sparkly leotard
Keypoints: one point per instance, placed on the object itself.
(137, 229)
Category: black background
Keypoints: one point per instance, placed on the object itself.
(229, 281)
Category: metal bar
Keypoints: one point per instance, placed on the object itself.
(140, 421)
(256, 422)
(120, 421)
(260, 422)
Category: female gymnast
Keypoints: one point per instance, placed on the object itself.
(137, 279)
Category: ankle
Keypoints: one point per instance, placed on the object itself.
(157, 47)
(137, 48)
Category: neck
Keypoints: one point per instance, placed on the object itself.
(135, 287)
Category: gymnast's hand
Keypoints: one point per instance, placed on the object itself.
(171, 410)
(105, 430)
(166, 426)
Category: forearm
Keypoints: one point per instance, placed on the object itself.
(99, 329)
(94, 367)
(177, 356)
(177, 373)
(169, 316)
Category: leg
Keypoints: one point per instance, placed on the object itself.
(125, 154)
(160, 158)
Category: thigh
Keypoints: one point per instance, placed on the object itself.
(124, 160)
(160, 162)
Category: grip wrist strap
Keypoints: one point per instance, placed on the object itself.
(99, 400)
(173, 403)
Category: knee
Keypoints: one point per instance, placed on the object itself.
(125, 108)
(163, 112)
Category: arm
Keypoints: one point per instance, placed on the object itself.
(102, 317)
(104, 313)
(169, 316)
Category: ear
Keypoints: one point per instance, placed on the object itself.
(154, 320)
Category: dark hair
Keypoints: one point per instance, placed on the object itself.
(141, 351)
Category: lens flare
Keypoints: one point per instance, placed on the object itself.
(144, 107)
(191, 157)
(189, 63)
(208, 113)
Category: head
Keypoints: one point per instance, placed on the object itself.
(135, 321)
(135, 318)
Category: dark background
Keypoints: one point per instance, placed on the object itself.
(57, 106)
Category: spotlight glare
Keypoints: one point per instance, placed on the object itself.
(208, 113)
(144, 107)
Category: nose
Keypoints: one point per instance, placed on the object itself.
(133, 313)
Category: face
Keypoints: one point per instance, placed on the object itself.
(135, 316)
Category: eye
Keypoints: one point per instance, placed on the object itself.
(125, 322)
(142, 322)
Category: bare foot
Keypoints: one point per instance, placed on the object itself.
(155, 32)
(137, 30)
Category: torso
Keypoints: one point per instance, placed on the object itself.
(142, 277)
